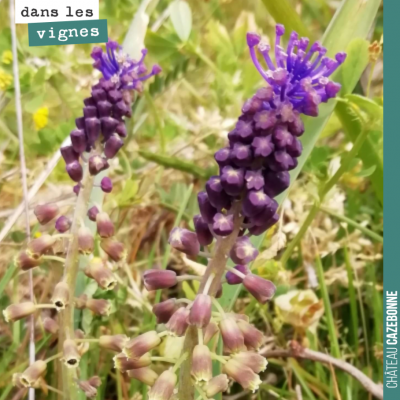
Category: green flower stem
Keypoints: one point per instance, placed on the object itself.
(322, 193)
(70, 275)
(216, 266)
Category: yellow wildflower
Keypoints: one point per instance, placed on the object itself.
(41, 118)
(6, 57)
(5, 80)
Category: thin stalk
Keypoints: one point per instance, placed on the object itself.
(18, 110)
(70, 275)
(324, 190)
(215, 267)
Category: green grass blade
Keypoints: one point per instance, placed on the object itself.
(328, 308)
(7, 277)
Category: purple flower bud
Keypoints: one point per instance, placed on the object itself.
(78, 139)
(145, 375)
(204, 235)
(69, 154)
(80, 123)
(254, 203)
(244, 130)
(241, 155)
(99, 95)
(254, 180)
(265, 93)
(114, 249)
(97, 164)
(232, 180)
(85, 240)
(75, 171)
(262, 289)
(282, 137)
(90, 112)
(104, 109)
(155, 279)
(231, 335)
(281, 161)
(265, 119)
(121, 109)
(113, 144)
(262, 146)
(15, 312)
(142, 344)
(266, 214)
(210, 331)
(63, 224)
(216, 385)
(60, 297)
(201, 364)
(92, 128)
(164, 310)
(200, 313)
(39, 246)
(46, 212)
(252, 360)
(232, 278)
(26, 262)
(163, 388)
(222, 157)
(105, 227)
(92, 213)
(242, 375)
(258, 230)
(108, 126)
(124, 364)
(216, 195)
(114, 96)
(98, 306)
(223, 224)
(276, 182)
(296, 127)
(295, 148)
(253, 338)
(114, 342)
(98, 271)
(77, 189)
(106, 185)
(252, 39)
(50, 325)
(184, 241)
(207, 210)
(121, 129)
(178, 323)
(243, 251)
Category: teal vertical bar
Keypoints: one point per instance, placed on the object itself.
(391, 275)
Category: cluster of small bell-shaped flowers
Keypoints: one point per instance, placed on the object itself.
(241, 340)
(101, 130)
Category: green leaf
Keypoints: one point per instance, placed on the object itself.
(374, 110)
(7, 277)
(356, 62)
(367, 172)
(284, 13)
(32, 105)
(181, 17)
(129, 192)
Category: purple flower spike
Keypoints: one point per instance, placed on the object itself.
(97, 164)
(254, 180)
(265, 119)
(108, 126)
(258, 230)
(232, 180)
(242, 155)
(243, 251)
(204, 235)
(63, 224)
(281, 161)
(263, 146)
(92, 127)
(112, 146)
(106, 185)
(244, 130)
(155, 279)
(216, 194)
(282, 137)
(69, 154)
(232, 278)
(223, 224)
(207, 210)
(268, 212)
